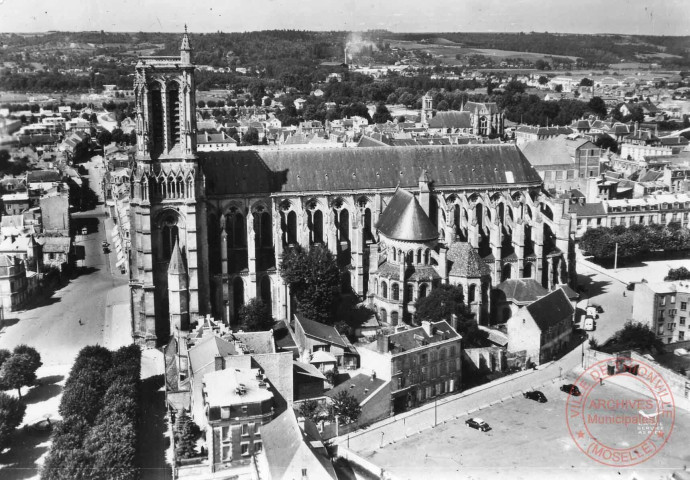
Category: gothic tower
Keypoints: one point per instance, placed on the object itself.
(427, 108)
(166, 195)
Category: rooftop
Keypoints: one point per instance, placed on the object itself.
(405, 219)
(360, 386)
(550, 309)
(417, 337)
(287, 170)
(235, 386)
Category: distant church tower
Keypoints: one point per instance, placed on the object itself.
(427, 108)
(166, 199)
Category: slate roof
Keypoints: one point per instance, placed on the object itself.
(321, 331)
(476, 108)
(408, 339)
(588, 210)
(545, 131)
(465, 261)
(43, 176)
(405, 219)
(569, 292)
(256, 342)
(307, 369)
(547, 152)
(283, 337)
(360, 386)
(207, 349)
(267, 170)
(522, 290)
(287, 452)
(550, 309)
(452, 119)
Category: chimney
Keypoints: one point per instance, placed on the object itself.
(454, 321)
(427, 327)
(219, 363)
(424, 192)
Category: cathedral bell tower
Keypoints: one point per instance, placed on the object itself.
(165, 192)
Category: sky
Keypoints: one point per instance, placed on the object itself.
(648, 17)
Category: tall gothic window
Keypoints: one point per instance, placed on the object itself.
(169, 236)
(174, 114)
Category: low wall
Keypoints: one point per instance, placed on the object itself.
(678, 384)
(359, 462)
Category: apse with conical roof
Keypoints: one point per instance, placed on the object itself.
(404, 219)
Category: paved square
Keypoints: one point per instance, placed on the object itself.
(528, 440)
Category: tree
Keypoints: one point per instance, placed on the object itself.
(543, 80)
(382, 115)
(118, 135)
(442, 106)
(313, 275)
(637, 114)
(586, 82)
(12, 412)
(310, 409)
(441, 303)
(680, 273)
(605, 142)
(4, 355)
(598, 242)
(541, 64)
(17, 372)
(634, 336)
(33, 355)
(186, 433)
(255, 316)
(346, 408)
(104, 137)
(558, 88)
(251, 137)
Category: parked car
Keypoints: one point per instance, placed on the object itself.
(478, 423)
(535, 395)
(105, 244)
(571, 389)
(589, 324)
(592, 312)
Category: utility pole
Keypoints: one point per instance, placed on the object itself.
(615, 259)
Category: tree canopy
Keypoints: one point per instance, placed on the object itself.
(441, 303)
(634, 241)
(633, 336)
(255, 316)
(313, 275)
(346, 408)
(680, 273)
(19, 369)
(12, 412)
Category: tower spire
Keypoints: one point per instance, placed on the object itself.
(185, 48)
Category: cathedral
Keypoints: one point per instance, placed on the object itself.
(209, 228)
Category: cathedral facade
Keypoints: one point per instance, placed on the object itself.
(209, 228)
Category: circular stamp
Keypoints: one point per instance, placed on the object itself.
(620, 427)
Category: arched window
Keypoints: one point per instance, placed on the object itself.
(383, 315)
(368, 235)
(395, 291)
(214, 244)
(239, 231)
(419, 257)
(316, 226)
(237, 297)
(265, 292)
(384, 289)
(471, 293)
(409, 292)
(263, 230)
(527, 272)
(422, 290)
(291, 228)
(506, 272)
(395, 255)
(426, 257)
(394, 318)
(169, 236)
(344, 225)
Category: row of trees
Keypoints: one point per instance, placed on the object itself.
(97, 437)
(343, 406)
(17, 370)
(635, 240)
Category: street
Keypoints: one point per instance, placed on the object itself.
(90, 308)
